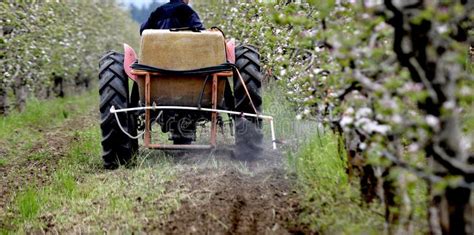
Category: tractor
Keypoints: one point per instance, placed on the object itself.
(182, 79)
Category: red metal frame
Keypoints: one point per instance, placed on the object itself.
(129, 58)
(230, 51)
(147, 134)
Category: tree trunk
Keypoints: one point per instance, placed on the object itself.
(471, 53)
(58, 85)
(3, 99)
(3, 89)
(452, 211)
(20, 94)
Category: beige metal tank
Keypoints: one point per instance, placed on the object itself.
(181, 50)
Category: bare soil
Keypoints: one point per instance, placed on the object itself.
(232, 197)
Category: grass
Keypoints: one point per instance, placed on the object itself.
(332, 204)
(23, 132)
(28, 204)
(37, 156)
(111, 200)
(283, 112)
(83, 197)
(320, 163)
(43, 114)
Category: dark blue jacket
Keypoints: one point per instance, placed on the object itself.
(175, 14)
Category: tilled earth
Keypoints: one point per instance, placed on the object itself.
(234, 198)
(230, 203)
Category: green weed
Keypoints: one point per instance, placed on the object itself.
(21, 132)
(65, 183)
(44, 114)
(283, 112)
(3, 162)
(124, 199)
(332, 204)
(28, 205)
(36, 156)
(85, 153)
(112, 199)
(319, 162)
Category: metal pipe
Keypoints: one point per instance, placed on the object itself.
(113, 110)
(270, 118)
(273, 134)
(180, 146)
(214, 114)
(147, 139)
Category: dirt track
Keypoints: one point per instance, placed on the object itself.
(234, 199)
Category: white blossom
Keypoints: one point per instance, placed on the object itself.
(363, 112)
(346, 121)
(449, 105)
(397, 119)
(442, 29)
(412, 148)
(432, 121)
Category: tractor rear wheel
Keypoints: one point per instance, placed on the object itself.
(248, 62)
(118, 148)
(248, 133)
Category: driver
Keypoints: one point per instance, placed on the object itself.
(175, 14)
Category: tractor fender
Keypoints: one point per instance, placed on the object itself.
(130, 58)
(230, 50)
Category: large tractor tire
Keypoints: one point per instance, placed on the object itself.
(248, 133)
(118, 148)
(248, 62)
